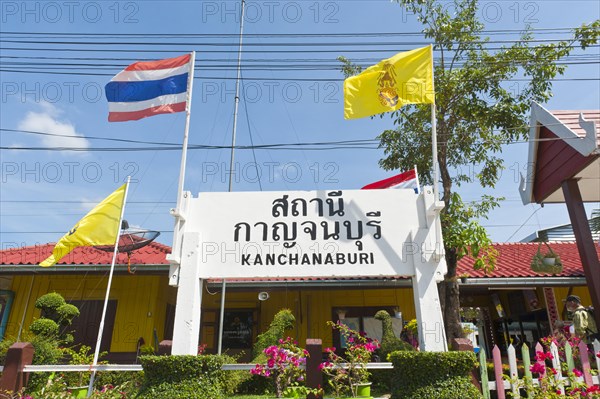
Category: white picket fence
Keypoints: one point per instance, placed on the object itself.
(513, 386)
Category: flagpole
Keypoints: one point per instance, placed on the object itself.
(434, 146)
(110, 276)
(417, 177)
(231, 164)
(237, 98)
(177, 212)
(188, 113)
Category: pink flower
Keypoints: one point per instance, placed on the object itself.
(538, 368)
(541, 356)
(325, 365)
(577, 373)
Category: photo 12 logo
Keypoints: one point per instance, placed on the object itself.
(51, 92)
(52, 12)
(271, 11)
(273, 92)
(69, 171)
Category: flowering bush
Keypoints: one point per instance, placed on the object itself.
(284, 363)
(347, 371)
(560, 338)
(549, 387)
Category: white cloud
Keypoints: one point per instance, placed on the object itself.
(49, 121)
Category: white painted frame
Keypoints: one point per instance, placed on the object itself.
(207, 220)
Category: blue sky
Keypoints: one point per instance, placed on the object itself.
(44, 193)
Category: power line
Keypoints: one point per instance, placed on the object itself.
(281, 34)
(521, 226)
(335, 50)
(270, 44)
(263, 79)
(314, 146)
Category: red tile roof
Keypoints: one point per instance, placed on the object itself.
(513, 259)
(571, 120)
(152, 254)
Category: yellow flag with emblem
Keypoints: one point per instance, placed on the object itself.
(406, 78)
(99, 227)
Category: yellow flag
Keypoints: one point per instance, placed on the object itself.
(99, 227)
(406, 78)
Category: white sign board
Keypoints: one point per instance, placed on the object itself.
(310, 233)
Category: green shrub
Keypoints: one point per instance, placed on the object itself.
(44, 327)
(424, 375)
(50, 302)
(48, 350)
(182, 377)
(117, 378)
(232, 379)
(283, 320)
(453, 388)
(66, 313)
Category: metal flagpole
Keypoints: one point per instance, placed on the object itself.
(417, 177)
(237, 98)
(188, 113)
(231, 162)
(110, 276)
(221, 317)
(177, 212)
(434, 147)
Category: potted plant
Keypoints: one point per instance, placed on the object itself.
(548, 262)
(284, 363)
(348, 372)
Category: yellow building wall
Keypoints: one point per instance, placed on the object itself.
(311, 307)
(141, 303)
(561, 294)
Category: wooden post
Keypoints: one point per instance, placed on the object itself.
(18, 356)
(314, 377)
(585, 242)
(498, 372)
(585, 364)
(556, 366)
(513, 371)
(526, 364)
(485, 386)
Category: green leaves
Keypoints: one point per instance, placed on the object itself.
(465, 235)
(424, 375)
(483, 100)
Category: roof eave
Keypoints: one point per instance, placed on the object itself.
(69, 269)
(511, 282)
(540, 116)
(329, 283)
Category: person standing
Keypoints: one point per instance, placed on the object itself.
(583, 320)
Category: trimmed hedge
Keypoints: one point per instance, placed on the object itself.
(182, 377)
(426, 375)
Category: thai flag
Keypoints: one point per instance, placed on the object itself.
(149, 88)
(406, 179)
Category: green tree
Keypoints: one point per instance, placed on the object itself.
(477, 113)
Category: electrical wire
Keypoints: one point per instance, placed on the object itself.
(250, 134)
(522, 225)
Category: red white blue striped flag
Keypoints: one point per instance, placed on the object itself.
(149, 88)
(406, 179)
